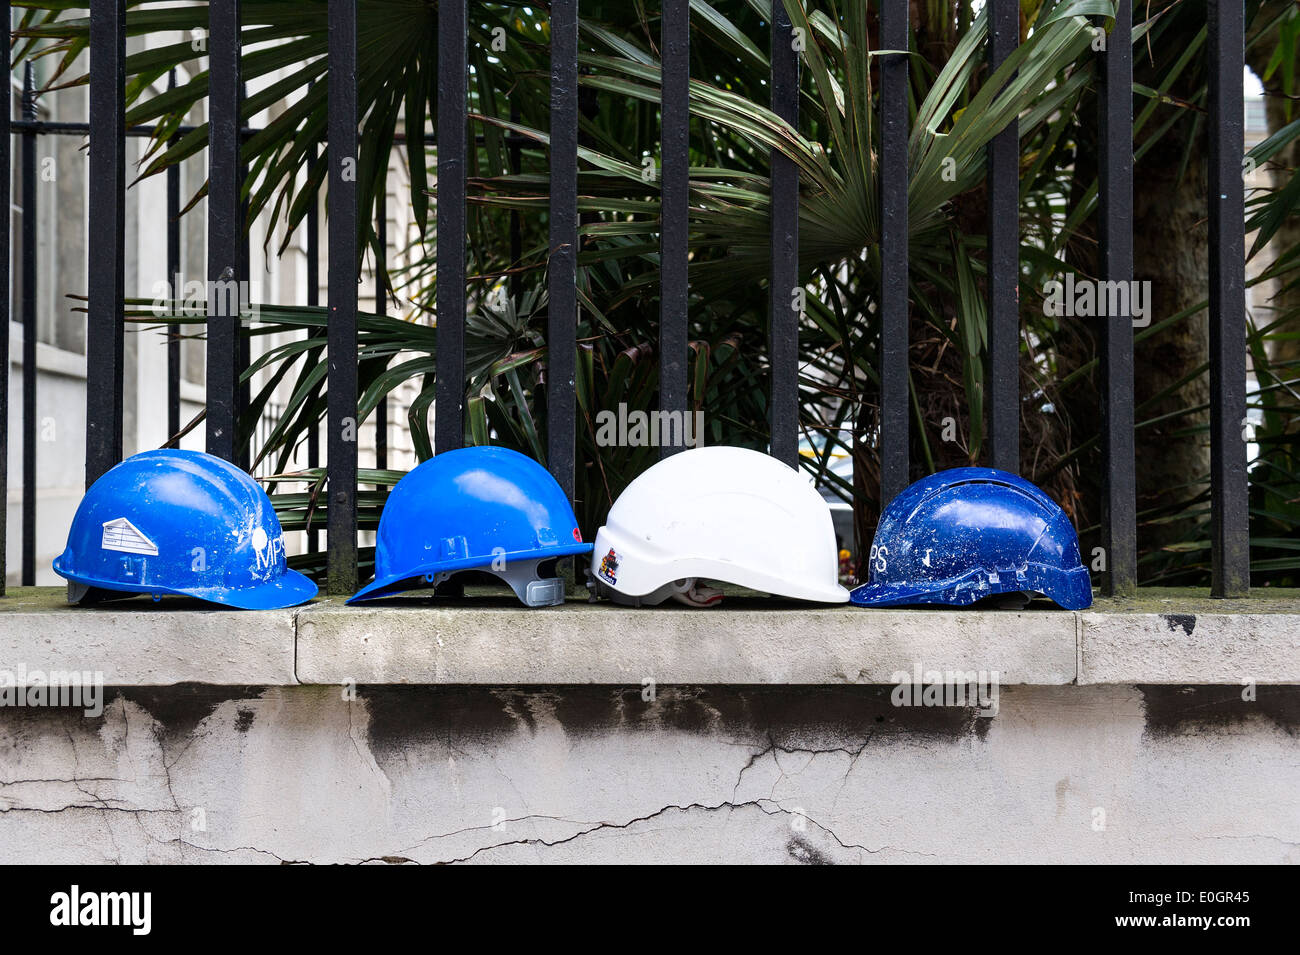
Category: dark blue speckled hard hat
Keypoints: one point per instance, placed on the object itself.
(969, 533)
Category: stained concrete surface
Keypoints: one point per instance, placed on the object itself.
(801, 775)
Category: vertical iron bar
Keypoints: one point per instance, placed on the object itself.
(894, 419)
(1115, 211)
(783, 305)
(516, 283)
(107, 210)
(244, 386)
(674, 177)
(225, 227)
(562, 268)
(313, 301)
(1229, 518)
(341, 434)
(381, 308)
(31, 213)
(449, 406)
(1003, 374)
(6, 307)
(173, 280)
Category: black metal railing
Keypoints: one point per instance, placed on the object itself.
(228, 258)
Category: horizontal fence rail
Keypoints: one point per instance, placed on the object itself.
(228, 259)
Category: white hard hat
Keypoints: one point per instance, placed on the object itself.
(723, 514)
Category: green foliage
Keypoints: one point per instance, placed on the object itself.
(956, 109)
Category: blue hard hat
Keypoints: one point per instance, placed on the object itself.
(481, 509)
(961, 535)
(180, 522)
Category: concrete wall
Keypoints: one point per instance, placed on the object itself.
(598, 774)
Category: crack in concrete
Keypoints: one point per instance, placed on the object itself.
(760, 805)
(774, 748)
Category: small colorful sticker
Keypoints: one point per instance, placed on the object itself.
(577, 535)
(122, 535)
(609, 566)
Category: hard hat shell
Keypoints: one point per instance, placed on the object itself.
(718, 513)
(185, 523)
(480, 508)
(961, 535)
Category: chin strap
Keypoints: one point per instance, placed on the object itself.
(693, 593)
(522, 577)
(85, 594)
(689, 591)
(530, 587)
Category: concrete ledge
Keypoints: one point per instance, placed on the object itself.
(1159, 637)
(1167, 638)
(583, 643)
(141, 643)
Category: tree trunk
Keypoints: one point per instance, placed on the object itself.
(1171, 251)
(1277, 300)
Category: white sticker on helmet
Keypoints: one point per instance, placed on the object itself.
(122, 535)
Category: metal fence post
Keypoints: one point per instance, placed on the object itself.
(313, 301)
(675, 188)
(173, 274)
(783, 308)
(107, 209)
(449, 405)
(342, 425)
(381, 308)
(31, 331)
(894, 358)
(1003, 379)
(1115, 212)
(1229, 484)
(5, 308)
(225, 227)
(562, 265)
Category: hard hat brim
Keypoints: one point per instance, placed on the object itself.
(657, 570)
(387, 586)
(1070, 590)
(287, 590)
